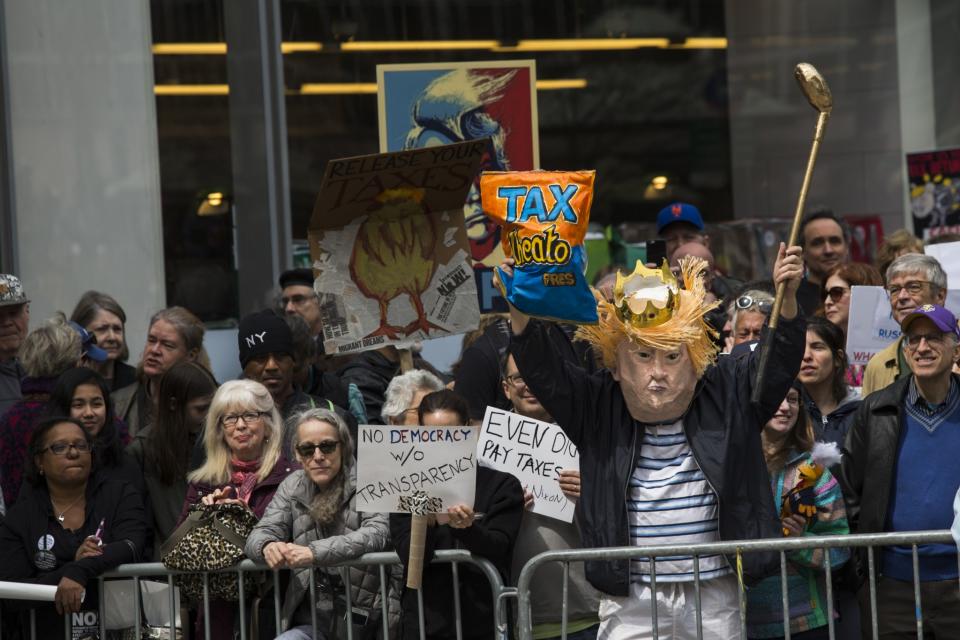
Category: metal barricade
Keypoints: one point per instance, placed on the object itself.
(382, 560)
(911, 539)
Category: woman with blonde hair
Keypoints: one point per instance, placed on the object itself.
(174, 335)
(245, 463)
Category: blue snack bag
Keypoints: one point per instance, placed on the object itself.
(544, 216)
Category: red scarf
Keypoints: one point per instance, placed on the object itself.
(244, 477)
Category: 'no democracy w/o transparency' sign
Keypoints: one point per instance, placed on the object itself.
(395, 462)
(871, 326)
(532, 451)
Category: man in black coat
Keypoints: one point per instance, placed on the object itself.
(670, 449)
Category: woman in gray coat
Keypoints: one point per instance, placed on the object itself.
(310, 523)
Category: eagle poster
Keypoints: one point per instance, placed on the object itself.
(421, 105)
(389, 248)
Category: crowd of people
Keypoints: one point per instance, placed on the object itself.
(101, 460)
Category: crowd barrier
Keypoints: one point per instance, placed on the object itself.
(383, 560)
(872, 540)
(521, 592)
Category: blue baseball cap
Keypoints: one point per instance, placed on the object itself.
(679, 212)
(942, 318)
(88, 344)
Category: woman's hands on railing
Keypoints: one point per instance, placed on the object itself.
(286, 555)
(69, 596)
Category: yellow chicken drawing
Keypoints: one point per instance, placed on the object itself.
(393, 254)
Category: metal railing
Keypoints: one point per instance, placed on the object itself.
(382, 560)
(912, 539)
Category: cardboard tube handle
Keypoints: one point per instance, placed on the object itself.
(418, 539)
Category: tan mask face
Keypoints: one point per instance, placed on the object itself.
(657, 385)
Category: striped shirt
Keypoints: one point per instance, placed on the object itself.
(671, 503)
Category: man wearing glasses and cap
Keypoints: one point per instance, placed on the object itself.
(14, 320)
(900, 473)
(912, 280)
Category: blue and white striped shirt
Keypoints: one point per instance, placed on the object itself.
(671, 503)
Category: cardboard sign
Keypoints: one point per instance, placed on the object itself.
(871, 327)
(395, 462)
(934, 197)
(390, 250)
(425, 104)
(532, 451)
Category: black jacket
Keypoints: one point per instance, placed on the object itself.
(477, 375)
(500, 498)
(31, 524)
(721, 425)
(869, 462)
(372, 371)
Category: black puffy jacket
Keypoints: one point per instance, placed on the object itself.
(721, 425)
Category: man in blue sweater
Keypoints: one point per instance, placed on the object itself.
(900, 473)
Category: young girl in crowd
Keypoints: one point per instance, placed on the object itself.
(825, 394)
(499, 498)
(84, 395)
(787, 443)
(164, 449)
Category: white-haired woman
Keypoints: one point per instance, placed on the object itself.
(245, 463)
(311, 523)
(403, 396)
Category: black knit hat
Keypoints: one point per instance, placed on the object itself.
(261, 333)
(292, 277)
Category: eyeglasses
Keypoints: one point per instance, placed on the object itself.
(748, 302)
(297, 299)
(231, 419)
(516, 380)
(934, 340)
(835, 293)
(914, 287)
(306, 449)
(61, 448)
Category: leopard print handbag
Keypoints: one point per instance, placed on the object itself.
(211, 538)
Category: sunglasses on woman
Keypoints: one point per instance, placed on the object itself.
(306, 449)
(835, 293)
(748, 302)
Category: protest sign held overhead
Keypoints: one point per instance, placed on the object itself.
(532, 451)
(396, 465)
(430, 103)
(389, 247)
(544, 216)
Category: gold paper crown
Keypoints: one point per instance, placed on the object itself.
(647, 297)
(677, 322)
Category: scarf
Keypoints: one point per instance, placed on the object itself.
(244, 477)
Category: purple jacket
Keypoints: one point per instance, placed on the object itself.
(16, 426)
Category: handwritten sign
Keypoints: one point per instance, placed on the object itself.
(871, 326)
(393, 463)
(532, 451)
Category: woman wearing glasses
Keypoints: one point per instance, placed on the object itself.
(76, 526)
(826, 396)
(311, 523)
(243, 441)
(836, 301)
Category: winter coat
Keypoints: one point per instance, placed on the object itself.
(288, 519)
(722, 427)
(499, 497)
(31, 529)
(806, 582)
(372, 371)
(832, 427)
(260, 497)
(132, 405)
(16, 427)
(11, 375)
(868, 467)
(883, 368)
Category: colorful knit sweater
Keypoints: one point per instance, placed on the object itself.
(16, 426)
(806, 582)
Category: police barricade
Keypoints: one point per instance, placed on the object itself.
(871, 541)
(383, 560)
